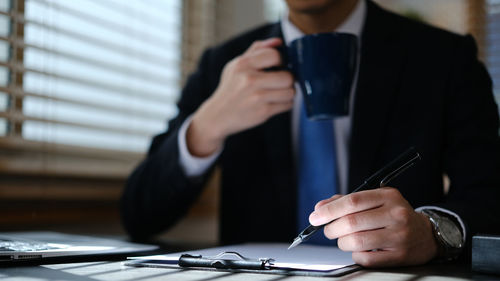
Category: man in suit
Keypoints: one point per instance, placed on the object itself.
(415, 86)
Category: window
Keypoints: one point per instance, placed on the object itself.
(84, 85)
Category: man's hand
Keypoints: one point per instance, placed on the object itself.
(245, 97)
(379, 226)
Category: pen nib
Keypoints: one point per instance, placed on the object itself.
(295, 242)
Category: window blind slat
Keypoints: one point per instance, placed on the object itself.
(118, 68)
(103, 23)
(94, 73)
(145, 17)
(18, 117)
(19, 93)
(21, 164)
(19, 145)
(153, 58)
(125, 90)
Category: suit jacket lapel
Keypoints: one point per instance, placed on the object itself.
(378, 81)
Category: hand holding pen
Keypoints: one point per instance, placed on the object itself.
(378, 219)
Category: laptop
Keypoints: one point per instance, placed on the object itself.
(40, 246)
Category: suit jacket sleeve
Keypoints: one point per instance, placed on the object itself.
(158, 192)
(472, 145)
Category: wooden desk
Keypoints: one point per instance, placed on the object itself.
(116, 270)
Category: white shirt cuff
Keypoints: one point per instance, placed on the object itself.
(193, 166)
(460, 221)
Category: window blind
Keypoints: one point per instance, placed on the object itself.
(493, 44)
(84, 85)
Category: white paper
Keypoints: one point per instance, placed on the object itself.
(305, 257)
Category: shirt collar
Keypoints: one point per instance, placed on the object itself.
(353, 24)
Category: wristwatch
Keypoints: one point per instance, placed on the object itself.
(447, 233)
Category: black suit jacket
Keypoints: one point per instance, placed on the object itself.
(418, 86)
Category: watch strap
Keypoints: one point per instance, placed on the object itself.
(446, 251)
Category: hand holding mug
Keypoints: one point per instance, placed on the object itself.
(247, 96)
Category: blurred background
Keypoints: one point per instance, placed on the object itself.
(85, 84)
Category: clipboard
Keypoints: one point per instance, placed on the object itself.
(230, 260)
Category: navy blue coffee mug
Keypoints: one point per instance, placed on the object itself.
(324, 65)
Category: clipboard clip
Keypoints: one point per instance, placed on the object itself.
(225, 260)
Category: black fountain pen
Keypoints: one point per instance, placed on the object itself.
(380, 179)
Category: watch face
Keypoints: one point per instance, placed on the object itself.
(450, 233)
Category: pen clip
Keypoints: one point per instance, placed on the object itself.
(399, 170)
(221, 261)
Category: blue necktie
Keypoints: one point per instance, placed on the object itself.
(317, 175)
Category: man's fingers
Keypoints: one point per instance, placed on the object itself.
(262, 54)
(367, 240)
(273, 80)
(263, 58)
(368, 220)
(276, 108)
(278, 96)
(326, 201)
(349, 204)
(268, 43)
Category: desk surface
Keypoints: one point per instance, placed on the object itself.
(116, 270)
